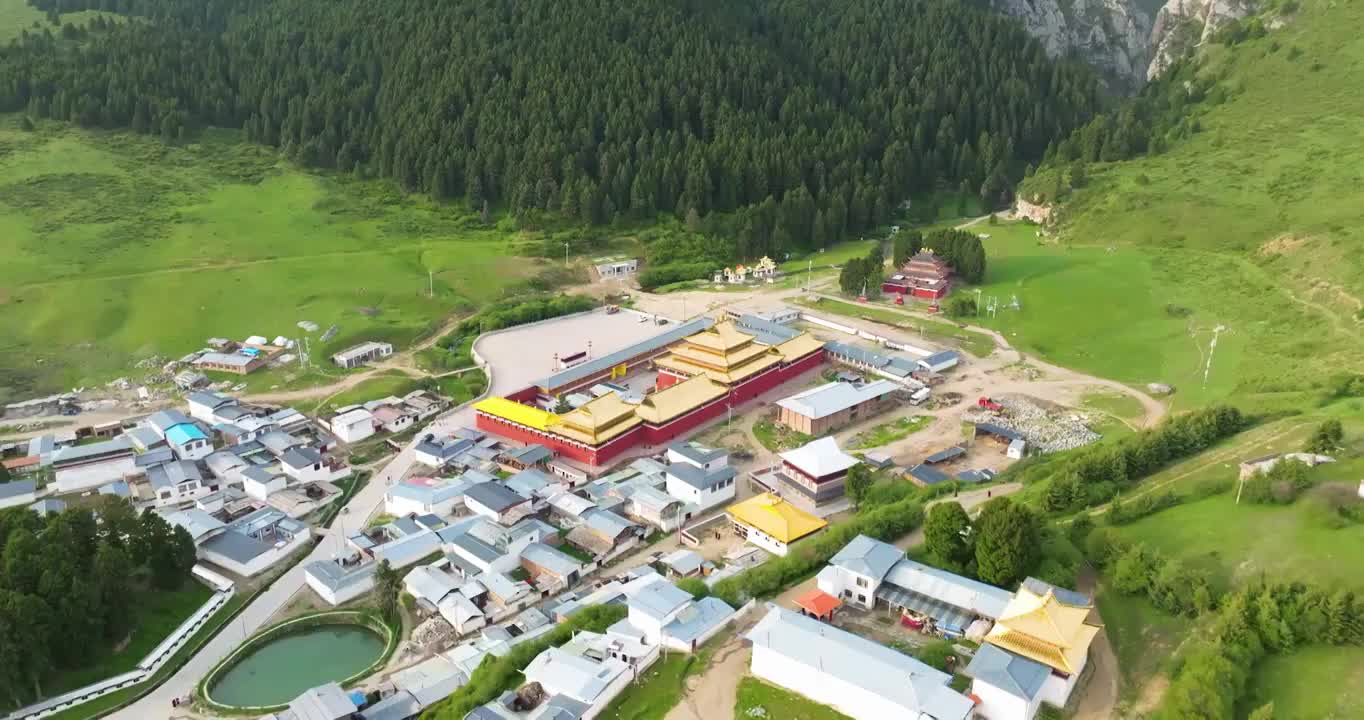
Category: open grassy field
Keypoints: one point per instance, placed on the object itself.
(119, 246)
(1255, 222)
(1337, 680)
(779, 703)
(16, 16)
(1142, 636)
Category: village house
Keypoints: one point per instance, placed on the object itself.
(338, 583)
(551, 568)
(811, 476)
(423, 495)
(82, 467)
(496, 502)
(826, 408)
(662, 614)
(700, 489)
(259, 483)
(203, 405)
(856, 676)
(614, 267)
(392, 418)
(771, 523)
(177, 482)
(603, 533)
(436, 452)
(868, 573)
(18, 492)
(351, 425)
(362, 354)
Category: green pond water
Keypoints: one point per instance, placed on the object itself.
(281, 669)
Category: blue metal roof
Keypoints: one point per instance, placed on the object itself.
(927, 475)
(1014, 674)
(183, 434)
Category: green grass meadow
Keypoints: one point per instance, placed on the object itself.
(1255, 222)
(780, 703)
(119, 246)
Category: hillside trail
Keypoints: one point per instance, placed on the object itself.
(1101, 692)
(403, 362)
(1232, 453)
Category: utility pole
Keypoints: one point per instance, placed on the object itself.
(977, 302)
(565, 254)
(430, 283)
(809, 275)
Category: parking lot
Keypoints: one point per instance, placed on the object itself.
(520, 356)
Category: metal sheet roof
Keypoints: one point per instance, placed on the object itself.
(970, 595)
(606, 362)
(868, 557)
(868, 666)
(1014, 674)
(819, 458)
(835, 397)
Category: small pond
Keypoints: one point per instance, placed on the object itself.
(280, 669)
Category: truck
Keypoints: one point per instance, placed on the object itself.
(989, 404)
(919, 396)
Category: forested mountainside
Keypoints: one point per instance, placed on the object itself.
(813, 119)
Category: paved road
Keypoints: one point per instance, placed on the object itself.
(258, 613)
(506, 378)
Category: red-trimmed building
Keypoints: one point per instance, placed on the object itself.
(925, 276)
(703, 374)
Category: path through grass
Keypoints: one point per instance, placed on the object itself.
(118, 246)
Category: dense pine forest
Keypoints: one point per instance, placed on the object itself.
(798, 122)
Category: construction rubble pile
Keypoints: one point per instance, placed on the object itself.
(1044, 431)
(435, 632)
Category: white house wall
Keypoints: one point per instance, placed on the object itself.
(824, 688)
(996, 704)
(1056, 690)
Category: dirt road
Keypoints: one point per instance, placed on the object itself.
(1100, 693)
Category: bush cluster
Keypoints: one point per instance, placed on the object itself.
(513, 312)
(1096, 474)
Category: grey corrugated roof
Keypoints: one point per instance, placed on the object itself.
(526, 482)
(15, 488)
(947, 454)
(697, 453)
(928, 474)
(607, 522)
(476, 547)
(1068, 597)
(867, 556)
(892, 364)
(301, 457)
(398, 706)
(767, 332)
(236, 546)
(494, 496)
(209, 399)
(164, 420)
(973, 595)
(1014, 674)
(606, 362)
(868, 666)
(530, 454)
(154, 457)
(698, 478)
(335, 577)
(116, 446)
(118, 487)
(940, 357)
(826, 400)
(171, 474)
(1000, 430)
(551, 559)
(658, 599)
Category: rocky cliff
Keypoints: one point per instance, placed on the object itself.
(1127, 41)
